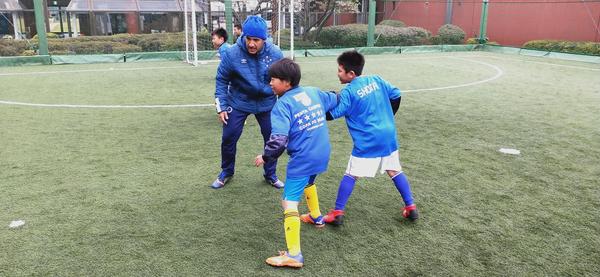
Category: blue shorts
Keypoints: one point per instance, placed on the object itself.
(294, 187)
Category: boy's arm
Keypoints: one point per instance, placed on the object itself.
(395, 104)
(393, 93)
(280, 128)
(222, 83)
(274, 147)
(343, 105)
(329, 100)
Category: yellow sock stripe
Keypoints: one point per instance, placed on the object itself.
(287, 214)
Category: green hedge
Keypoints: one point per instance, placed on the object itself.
(10, 47)
(355, 35)
(393, 23)
(573, 47)
(117, 44)
(449, 34)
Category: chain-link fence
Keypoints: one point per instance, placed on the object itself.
(117, 26)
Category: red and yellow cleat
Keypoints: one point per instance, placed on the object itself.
(335, 217)
(285, 259)
(410, 212)
(318, 222)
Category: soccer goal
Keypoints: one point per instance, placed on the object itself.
(210, 15)
(283, 25)
(191, 32)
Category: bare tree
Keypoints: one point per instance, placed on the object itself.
(328, 8)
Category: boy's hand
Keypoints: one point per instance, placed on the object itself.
(223, 117)
(258, 161)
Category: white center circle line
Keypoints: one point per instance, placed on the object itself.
(499, 73)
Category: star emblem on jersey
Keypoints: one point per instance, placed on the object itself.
(267, 60)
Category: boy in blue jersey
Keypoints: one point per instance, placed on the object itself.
(369, 104)
(219, 41)
(298, 122)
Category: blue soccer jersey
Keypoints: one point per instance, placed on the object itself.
(365, 102)
(300, 115)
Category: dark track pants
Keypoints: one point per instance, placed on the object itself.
(231, 134)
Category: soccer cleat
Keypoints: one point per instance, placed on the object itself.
(275, 182)
(285, 259)
(220, 182)
(410, 212)
(335, 217)
(318, 222)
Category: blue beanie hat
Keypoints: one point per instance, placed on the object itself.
(255, 26)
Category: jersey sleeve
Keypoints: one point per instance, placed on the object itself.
(329, 99)
(344, 104)
(392, 91)
(280, 119)
(222, 83)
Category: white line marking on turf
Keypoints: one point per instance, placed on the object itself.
(499, 73)
(105, 106)
(92, 70)
(510, 151)
(16, 224)
(545, 63)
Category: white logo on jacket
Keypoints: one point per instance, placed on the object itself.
(303, 98)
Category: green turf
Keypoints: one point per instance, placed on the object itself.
(124, 192)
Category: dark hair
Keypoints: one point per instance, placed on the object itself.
(220, 32)
(239, 26)
(352, 61)
(287, 70)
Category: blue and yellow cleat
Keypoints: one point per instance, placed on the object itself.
(319, 222)
(285, 259)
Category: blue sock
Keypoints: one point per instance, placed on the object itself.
(344, 192)
(403, 187)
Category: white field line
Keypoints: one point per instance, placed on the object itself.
(212, 62)
(544, 63)
(91, 70)
(499, 73)
(105, 106)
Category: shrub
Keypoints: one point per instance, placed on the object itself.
(48, 36)
(119, 43)
(10, 47)
(28, 53)
(472, 41)
(350, 35)
(573, 47)
(355, 35)
(393, 23)
(421, 35)
(449, 34)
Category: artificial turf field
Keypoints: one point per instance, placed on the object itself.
(109, 165)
